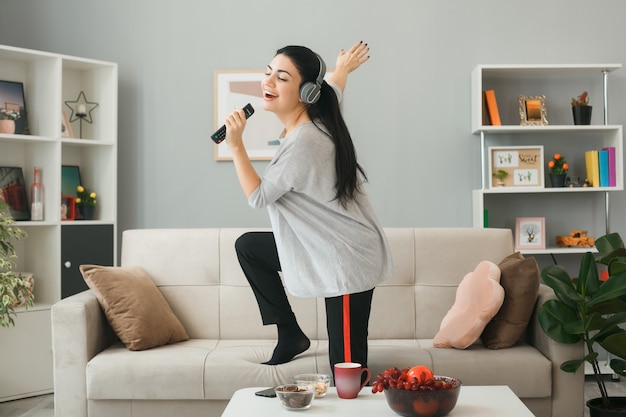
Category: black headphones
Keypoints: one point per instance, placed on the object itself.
(310, 92)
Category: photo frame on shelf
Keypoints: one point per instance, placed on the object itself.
(66, 127)
(530, 233)
(233, 90)
(68, 207)
(532, 110)
(12, 102)
(70, 179)
(13, 192)
(516, 166)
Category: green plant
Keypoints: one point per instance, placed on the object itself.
(85, 197)
(11, 285)
(590, 310)
(581, 100)
(500, 174)
(558, 164)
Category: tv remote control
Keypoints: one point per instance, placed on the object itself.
(220, 134)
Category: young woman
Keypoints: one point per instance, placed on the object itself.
(325, 237)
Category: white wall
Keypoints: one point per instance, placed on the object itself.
(408, 108)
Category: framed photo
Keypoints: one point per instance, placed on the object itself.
(233, 90)
(70, 179)
(68, 207)
(530, 233)
(516, 166)
(13, 192)
(12, 101)
(66, 127)
(532, 110)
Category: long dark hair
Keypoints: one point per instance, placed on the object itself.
(326, 112)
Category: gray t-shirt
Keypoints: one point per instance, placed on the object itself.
(325, 250)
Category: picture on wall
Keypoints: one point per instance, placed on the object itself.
(233, 90)
(516, 166)
(13, 192)
(530, 233)
(12, 104)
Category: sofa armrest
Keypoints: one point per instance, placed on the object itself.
(79, 332)
(565, 385)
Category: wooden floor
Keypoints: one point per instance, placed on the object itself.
(43, 406)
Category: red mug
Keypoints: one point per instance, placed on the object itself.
(348, 377)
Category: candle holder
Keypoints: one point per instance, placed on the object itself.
(81, 110)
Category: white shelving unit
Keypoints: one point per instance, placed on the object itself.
(564, 208)
(49, 80)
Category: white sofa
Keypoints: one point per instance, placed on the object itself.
(198, 273)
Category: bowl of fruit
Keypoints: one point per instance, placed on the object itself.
(295, 396)
(417, 392)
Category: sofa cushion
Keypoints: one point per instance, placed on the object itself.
(519, 277)
(478, 298)
(134, 306)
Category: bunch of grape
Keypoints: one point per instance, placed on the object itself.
(402, 379)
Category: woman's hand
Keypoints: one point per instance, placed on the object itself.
(348, 61)
(235, 125)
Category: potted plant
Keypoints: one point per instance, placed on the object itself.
(7, 120)
(86, 202)
(500, 175)
(558, 170)
(581, 110)
(12, 286)
(591, 310)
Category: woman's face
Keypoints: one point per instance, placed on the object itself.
(281, 86)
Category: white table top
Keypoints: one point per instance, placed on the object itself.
(483, 401)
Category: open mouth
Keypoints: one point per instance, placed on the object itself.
(267, 94)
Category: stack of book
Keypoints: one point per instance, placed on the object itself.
(600, 166)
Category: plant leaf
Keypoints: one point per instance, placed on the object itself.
(619, 366)
(553, 318)
(612, 288)
(608, 243)
(588, 281)
(572, 366)
(616, 344)
(557, 278)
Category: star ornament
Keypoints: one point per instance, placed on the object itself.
(81, 108)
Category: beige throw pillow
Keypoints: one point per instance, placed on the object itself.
(134, 306)
(520, 279)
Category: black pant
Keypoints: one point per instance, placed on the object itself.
(259, 261)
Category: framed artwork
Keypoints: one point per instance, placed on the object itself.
(66, 127)
(68, 207)
(12, 102)
(532, 110)
(516, 166)
(233, 90)
(530, 233)
(70, 179)
(13, 192)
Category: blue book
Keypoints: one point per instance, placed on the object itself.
(603, 165)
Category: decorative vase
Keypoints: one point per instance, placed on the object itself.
(557, 180)
(87, 212)
(582, 115)
(618, 407)
(7, 126)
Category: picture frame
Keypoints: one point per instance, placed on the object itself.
(66, 126)
(68, 207)
(233, 90)
(532, 110)
(530, 233)
(13, 192)
(70, 179)
(12, 98)
(516, 166)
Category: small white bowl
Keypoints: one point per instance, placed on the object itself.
(295, 396)
(320, 382)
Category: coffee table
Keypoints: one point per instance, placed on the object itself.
(484, 401)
